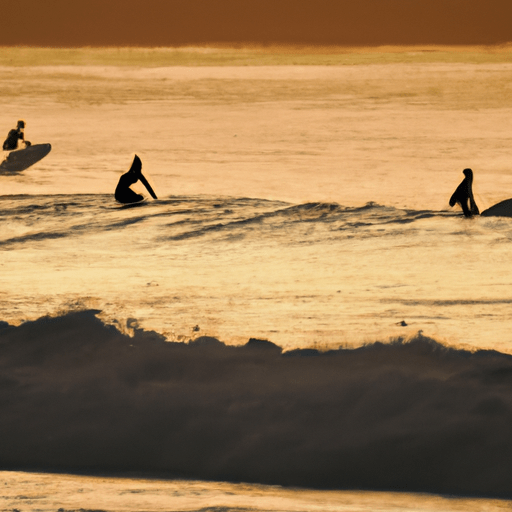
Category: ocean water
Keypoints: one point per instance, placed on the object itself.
(306, 205)
(43, 492)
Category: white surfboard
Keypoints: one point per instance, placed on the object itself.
(20, 159)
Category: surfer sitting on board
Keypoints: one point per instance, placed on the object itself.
(464, 195)
(124, 194)
(14, 135)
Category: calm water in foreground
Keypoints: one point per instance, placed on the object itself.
(46, 492)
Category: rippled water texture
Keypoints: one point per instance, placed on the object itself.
(43, 492)
(300, 275)
(302, 204)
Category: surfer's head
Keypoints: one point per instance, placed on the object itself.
(468, 173)
(21, 123)
(136, 165)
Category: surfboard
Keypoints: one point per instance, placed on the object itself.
(20, 159)
(502, 209)
(123, 206)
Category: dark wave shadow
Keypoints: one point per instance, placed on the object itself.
(78, 395)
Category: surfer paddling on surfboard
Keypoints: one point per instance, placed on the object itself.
(124, 194)
(463, 195)
(14, 135)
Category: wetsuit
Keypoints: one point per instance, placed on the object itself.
(12, 139)
(464, 195)
(123, 193)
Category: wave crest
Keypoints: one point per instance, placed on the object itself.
(79, 395)
(36, 219)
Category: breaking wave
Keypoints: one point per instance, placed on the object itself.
(79, 395)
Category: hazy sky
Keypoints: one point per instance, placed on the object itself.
(184, 22)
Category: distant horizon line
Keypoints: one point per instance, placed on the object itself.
(317, 48)
(250, 55)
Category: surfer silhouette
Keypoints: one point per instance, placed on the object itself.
(14, 135)
(463, 195)
(124, 194)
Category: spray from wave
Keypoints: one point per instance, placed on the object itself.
(79, 395)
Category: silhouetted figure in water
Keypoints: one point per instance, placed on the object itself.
(464, 195)
(124, 194)
(14, 135)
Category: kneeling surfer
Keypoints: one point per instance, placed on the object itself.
(11, 142)
(124, 194)
(463, 195)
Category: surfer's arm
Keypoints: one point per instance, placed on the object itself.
(453, 199)
(147, 185)
(460, 195)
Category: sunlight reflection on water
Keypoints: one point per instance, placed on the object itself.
(396, 134)
(50, 492)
